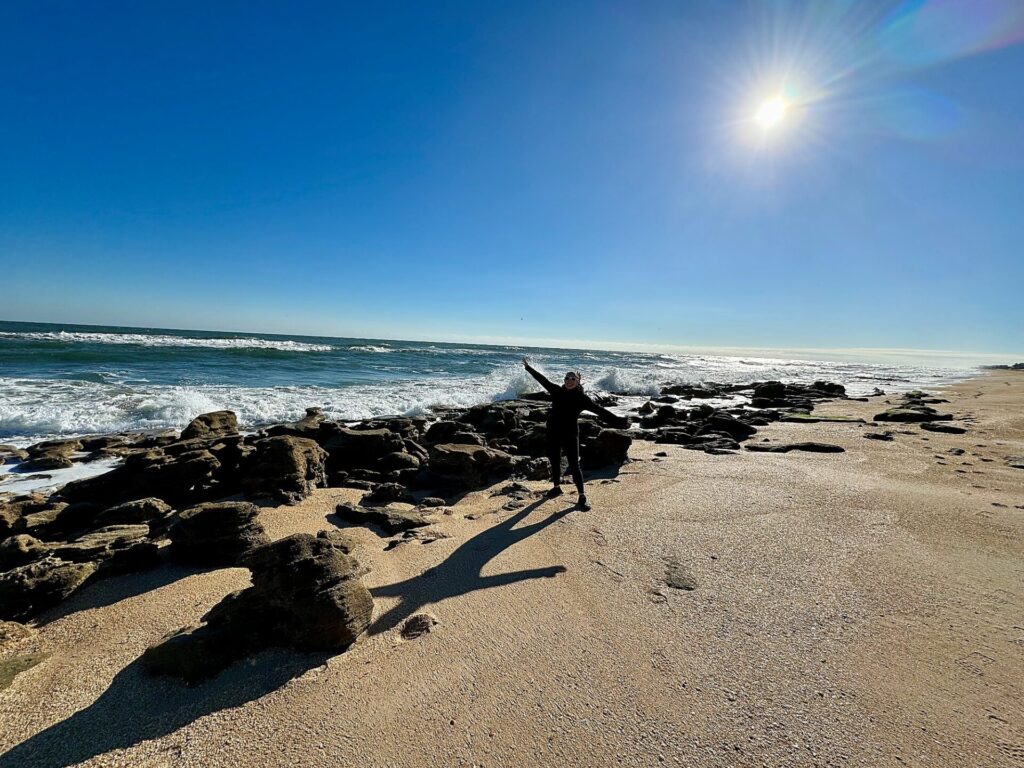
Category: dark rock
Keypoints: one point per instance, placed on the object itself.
(810, 447)
(432, 501)
(469, 465)
(308, 426)
(723, 423)
(216, 533)
(391, 520)
(531, 468)
(14, 510)
(674, 435)
(358, 448)
(151, 511)
(215, 424)
(54, 459)
(116, 548)
(386, 493)
(442, 431)
(29, 589)
(418, 625)
(398, 460)
(305, 593)
(19, 550)
(176, 479)
(72, 519)
(886, 435)
(907, 414)
(40, 520)
(647, 408)
(285, 468)
(610, 446)
(11, 455)
(947, 428)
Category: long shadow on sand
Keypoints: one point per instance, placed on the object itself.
(460, 571)
(114, 589)
(138, 706)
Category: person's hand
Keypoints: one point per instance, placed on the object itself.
(526, 362)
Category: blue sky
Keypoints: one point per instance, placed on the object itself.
(567, 171)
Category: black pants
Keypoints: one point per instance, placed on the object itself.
(568, 442)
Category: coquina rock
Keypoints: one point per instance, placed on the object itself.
(177, 479)
(305, 593)
(115, 549)
(469, 466)
(357, 448)
(30, 589)
(215, 424)
(216, 533)
(11, 455)
(610, 446)
(390, 519)
(151, 511)
(19, 550)
(285, 468)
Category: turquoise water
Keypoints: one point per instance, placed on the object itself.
(63, 380)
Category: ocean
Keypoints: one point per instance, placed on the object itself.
(62, 380)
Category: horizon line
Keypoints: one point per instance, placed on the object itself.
(578, 344)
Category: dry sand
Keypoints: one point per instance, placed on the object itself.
(863, 608)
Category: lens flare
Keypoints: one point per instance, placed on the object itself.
(771, 112)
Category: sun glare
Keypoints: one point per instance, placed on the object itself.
(771, 112)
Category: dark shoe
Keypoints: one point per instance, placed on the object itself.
(583, 503)
(555, 492)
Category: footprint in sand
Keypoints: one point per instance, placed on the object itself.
(974, 663)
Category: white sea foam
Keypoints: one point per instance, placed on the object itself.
(33, 409)
(167, 340)
(23, 482)
(369, 348)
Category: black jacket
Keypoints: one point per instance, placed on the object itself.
(567, 404)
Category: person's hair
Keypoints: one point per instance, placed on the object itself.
(578, 375)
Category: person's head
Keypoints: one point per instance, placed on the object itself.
(573, 380)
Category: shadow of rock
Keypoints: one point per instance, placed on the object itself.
(460, 571)
(138, 706)
(113, 589)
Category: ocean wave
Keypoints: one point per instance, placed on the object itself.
(34, 408)
(74, 402)
(630, 382)
(167, 340)
(369, 348)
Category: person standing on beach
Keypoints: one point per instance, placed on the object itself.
(567, 402)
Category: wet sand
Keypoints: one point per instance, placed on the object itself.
(860, 608)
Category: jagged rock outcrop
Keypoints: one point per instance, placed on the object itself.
(209, 425)
(389, 519)
(216, 533)
(468, 466)
(115, 549)
(30, 589)
(151, 511)
(305, 593)
(285, 468)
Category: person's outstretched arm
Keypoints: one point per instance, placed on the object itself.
(540, 377)
(620, 422)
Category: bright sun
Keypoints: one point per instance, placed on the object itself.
(771, 112)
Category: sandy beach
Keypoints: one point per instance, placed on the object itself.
(857, 608)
